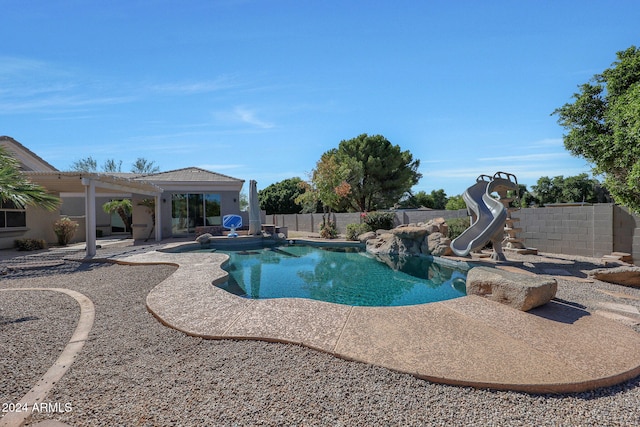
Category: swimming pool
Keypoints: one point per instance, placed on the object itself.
(342, 275)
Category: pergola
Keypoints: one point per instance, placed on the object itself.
(87, 182)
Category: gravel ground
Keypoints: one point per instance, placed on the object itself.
(134, 371)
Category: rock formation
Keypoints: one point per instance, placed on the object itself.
(519, 291)
(412, 239)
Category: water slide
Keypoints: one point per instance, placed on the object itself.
(489, 214)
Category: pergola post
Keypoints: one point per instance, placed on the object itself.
(158, 230)
(90, 216)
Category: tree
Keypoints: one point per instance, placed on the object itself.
(377, 173)
(150, 205)
(142, 165)
(280, 198)
(572, 189)
(455, 202)
(437, 199)
(123, 208)
(603, 125)
(112, 166)
(328, 185)
(87, 164)
(16, 189)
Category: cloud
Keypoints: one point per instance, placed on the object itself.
(525, 157)
(191, 88)
(243, 115)
(28, 85)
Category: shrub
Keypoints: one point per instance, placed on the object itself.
(354, 230)
(457, 226)
(379, 220)
(328, 229)
(65, 228)
(30, 244)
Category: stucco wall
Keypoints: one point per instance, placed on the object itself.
(39, 226)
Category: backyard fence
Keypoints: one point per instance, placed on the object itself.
(588, 230)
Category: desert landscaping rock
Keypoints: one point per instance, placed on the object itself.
(413, 239)
(135, 371)
(520, 291)
(625, 275)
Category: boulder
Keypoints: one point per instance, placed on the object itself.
(365, 237)
(203, 239)
(436, 244)
(392, 244)
(519, 291)
(412, 233)
(625, 275)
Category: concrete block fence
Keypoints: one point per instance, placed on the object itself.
(591, 230)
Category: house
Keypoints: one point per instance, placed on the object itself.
(183, 201)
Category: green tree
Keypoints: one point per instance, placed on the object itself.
(112, 166)
(328, 185)
(150, 205)
(603, 124)
(280, 197)
(123, 208)
(378, 173)
(572, 189)
(437, 199)
(87, 164)
(455, 202)
(16, 189)
(548, 190)
(142, 165)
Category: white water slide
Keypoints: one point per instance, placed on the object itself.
(488, 213)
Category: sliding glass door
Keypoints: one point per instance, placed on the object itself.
(191, 210)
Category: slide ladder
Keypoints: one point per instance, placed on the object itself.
(488, 214)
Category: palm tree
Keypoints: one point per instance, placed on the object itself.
(16, 188)
(150, 204)
(123, 208)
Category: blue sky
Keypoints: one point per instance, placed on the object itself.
(260, 89)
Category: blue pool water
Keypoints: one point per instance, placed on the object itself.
(340, 275)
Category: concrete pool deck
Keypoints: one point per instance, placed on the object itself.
(468, 341)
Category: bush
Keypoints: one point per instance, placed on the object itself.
(328, 229)
(379, 220)
(30, 244)
(65, 228)
(354, 230)
(457, 226)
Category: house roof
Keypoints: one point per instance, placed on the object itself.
(29, 160)
(191, 178)
(191, 174)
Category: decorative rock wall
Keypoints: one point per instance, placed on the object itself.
(412, 239)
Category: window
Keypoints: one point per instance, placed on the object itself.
(12, 216)
(189, 211)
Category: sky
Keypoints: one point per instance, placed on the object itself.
(259, 89)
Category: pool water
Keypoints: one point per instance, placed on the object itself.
(348, 276)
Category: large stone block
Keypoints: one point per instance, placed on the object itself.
(516, 290)
(626, 276)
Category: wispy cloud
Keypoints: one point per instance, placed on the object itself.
(525, 157)
(241, 114)
(192, 88)
(28, 85)
(57, 103)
